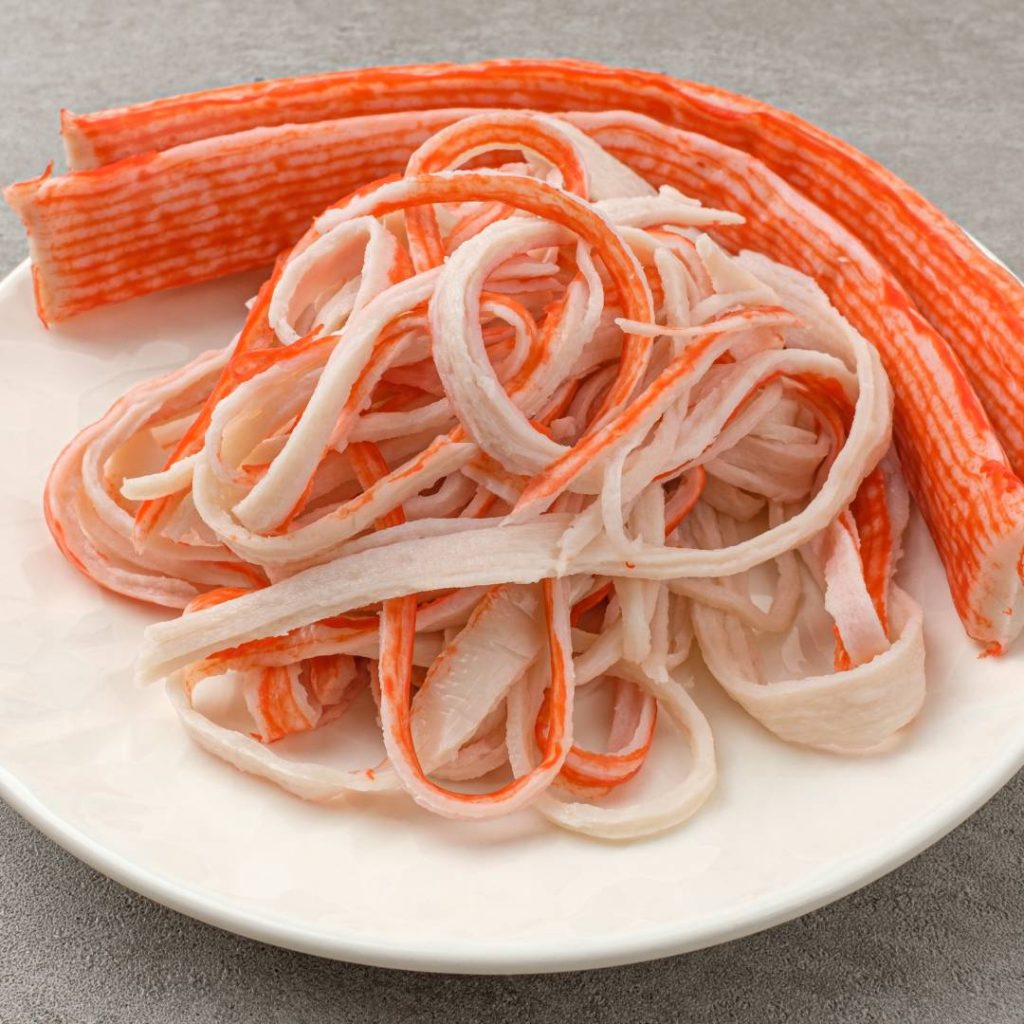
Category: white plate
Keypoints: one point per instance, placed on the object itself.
(102, 767)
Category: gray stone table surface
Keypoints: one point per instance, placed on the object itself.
(932, 88)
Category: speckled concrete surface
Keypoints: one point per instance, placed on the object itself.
(933, 89)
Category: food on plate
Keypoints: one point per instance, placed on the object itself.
(540, 404)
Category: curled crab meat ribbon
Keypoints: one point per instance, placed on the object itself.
(238, 172)
(496, 435)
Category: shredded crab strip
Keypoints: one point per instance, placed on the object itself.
(495, 441)
(977, 305)
(237, 173)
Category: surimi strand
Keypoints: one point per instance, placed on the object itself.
(976, 304)
(498, 440)
(89, 250)
(971, 499)
(225, 205)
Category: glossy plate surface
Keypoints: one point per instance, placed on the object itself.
(102, 766)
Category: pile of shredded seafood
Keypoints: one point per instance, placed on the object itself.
(559, 408)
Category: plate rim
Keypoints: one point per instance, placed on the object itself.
(459, 956)
(545, 956)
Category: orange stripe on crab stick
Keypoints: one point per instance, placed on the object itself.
(977, 305)
(397, 633)
(370, 466)
(597, 774)
(870, 510)
(560, 473)
(841, 660)
(543, 201)
(972, 501)
(358, 397)
(235, 657)
(589, 601)
(279, 712)
(214, 597)
(225, 205)
(952, 460)
(868, 520)
(685, 497)
(296, 644)
(253, 574)
(398, 629)
(255, 334)
(502, 130)
(591, 773)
